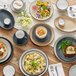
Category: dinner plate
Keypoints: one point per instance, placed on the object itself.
(69, 25)
(32, 12)
(6, 14)
(42, 42)
(29, 51)
(10, 50)
(59, 53)
(72, 71)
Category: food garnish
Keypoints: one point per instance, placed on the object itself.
(41, 9)
(64, 44)
(24, 19)
(34, 63)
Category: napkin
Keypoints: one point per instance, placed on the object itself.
(56, 70)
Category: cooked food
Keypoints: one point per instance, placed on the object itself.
(70, 51)
(41, 9)
(64, 44)
(3, 50)
(17, 4)
(34, 63)
(41, 32)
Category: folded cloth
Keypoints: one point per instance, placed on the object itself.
(56, 70)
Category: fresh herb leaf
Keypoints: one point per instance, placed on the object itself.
(0, 53)
(64, 44)
(34, 64)
(24, 62)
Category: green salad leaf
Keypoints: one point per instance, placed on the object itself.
(64, 44)
(34, 64)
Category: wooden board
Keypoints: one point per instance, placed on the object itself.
(18, 50)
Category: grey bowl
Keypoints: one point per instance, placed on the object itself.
(33, 50)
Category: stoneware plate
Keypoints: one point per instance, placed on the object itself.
(59, 53)
(69, 26)
(45, 18)
(42, 42)
(29, 51)
(6, 14)
(72, 71)
(10, 50)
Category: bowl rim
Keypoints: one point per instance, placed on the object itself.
(31, 50)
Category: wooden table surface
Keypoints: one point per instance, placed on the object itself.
(18, 50)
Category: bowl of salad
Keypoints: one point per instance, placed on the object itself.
(41, 9)
(33, 62)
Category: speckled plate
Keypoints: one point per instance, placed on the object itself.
(29, 51)
(42, 42)
(45, 18)
(10, 50)
(6, 14)
(59, 54)
(72, 71)
(69, 26)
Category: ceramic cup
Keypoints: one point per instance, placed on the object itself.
(20, 37)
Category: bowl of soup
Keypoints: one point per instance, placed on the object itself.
(41, 32)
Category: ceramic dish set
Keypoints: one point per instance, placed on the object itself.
(41, 34)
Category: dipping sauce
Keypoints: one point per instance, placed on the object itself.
(61, 22)
(17, 4)
(41, 32)
(7, 21)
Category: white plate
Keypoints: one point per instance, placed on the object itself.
(45, 18)
(72, 71)
(8, 47)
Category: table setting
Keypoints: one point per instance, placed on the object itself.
(37, 38)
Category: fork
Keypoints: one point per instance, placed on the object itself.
(56, 70)
(52, 69)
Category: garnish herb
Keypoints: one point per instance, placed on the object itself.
(34, 64)
(64, 44)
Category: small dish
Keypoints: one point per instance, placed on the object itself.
(72, 71)
(10, 50)
(20, 37)
(72, 11)
(32, 51)
(17, 5)
(36, 9)
(41, 32)
(45, 41)
(62, 5)
(4, 14)
(69, 24)
(59, 53)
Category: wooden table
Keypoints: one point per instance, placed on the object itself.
(18, 50)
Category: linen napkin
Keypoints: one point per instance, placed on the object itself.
(56, 70)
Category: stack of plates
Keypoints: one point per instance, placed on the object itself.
(10, 50)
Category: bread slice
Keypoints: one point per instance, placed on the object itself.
(70, 51)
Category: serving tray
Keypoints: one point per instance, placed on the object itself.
(18, 50)
(69, 26)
